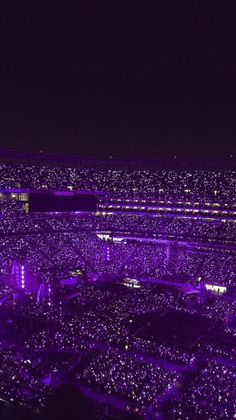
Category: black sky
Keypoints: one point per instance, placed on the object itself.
(121, 78)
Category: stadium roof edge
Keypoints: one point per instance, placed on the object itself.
(47, 159)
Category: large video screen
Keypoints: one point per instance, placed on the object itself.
(54, 202)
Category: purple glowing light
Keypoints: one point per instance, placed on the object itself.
(22, 277)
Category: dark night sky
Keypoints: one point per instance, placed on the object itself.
(121, 78)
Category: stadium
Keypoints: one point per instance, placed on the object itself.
(118, 277)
